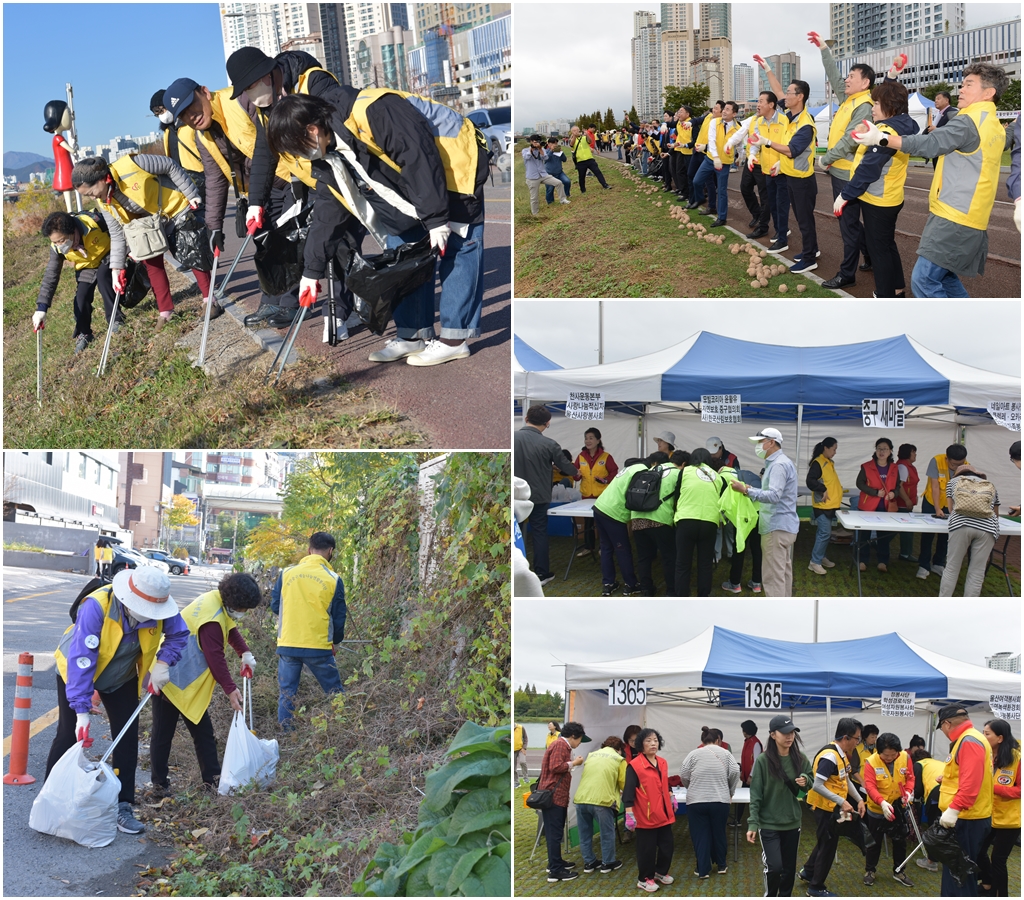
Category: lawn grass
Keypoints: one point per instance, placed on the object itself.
(743, 879)
(622, 243)
(899, 581)
(152, 395)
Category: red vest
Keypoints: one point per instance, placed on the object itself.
(747, 757)
(911, 483)
(652, 806)
(876, 504)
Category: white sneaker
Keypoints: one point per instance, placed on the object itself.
(438, 352)
(396, 349)
(565, 200)
(922, 573)
(340, 328)
(938, 570)
(827, 563)
(816, 569)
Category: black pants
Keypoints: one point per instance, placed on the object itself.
(165, 721)
(652, 542)
(778, 853)
(852, 231)
(753, 544)
(758, 205)
(554, 828)
(694, 534)
(819, 863)
(993, 872)
(679, 177)
(86, 291)
(925, 558)
(668, 173)
(880, 240)
(539, 530)
(281, 198)
(589, 165)
(654, 847)
(803, 192)
(898, 838)
(119, 704)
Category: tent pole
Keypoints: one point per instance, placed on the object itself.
(799, 429)
(828, 716)
(600, 332)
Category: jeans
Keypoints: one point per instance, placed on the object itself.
(539, 531)
(717, 181)
(930, 280)
(694, 534)
(652, 542)
(554, 828)
(823, 531)
(970, 834)
(696, 160)
(778, 853)
(615, 545)
(644, 157)
(586, 813)
(961, 540)
(289, 668)
(852, 232)
(619, 147)
(707, 831)
(925, 558)
(462, 289)
(165, 722)
(549, 189)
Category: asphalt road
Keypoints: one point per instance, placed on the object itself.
(1002, 276)
(458, 405)
(35, 606)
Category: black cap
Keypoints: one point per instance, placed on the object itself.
(951, 712)
(575, 730)
(247, 66)
(782, 724)
(157, 99)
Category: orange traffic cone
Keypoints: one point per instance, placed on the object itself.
(19, 733)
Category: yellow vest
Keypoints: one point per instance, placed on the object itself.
(588, 476)
(95, 246)
(841, 121)
(684, 131)
(803, 165)
(887, 190)
(726, 156)
(110, 639)
(653, 147)
(943, 466)
(776, 133)
(456, 137)
(307, 589)
(836, 783)
(705, 130)
(964, 185)
(931, 769)
(832, 485)
(189, 156)
(148, 191)
(982, 807)
(551, 738)
(191, 684)
(890, 786)
(581, 149)
(517, 738)
(1006, 812)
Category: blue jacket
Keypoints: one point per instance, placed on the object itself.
(553, 162)
(870, 168)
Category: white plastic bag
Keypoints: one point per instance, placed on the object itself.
(246, 757)
(78, 801)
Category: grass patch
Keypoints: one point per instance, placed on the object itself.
(620, 243)
(152, 395)
(22, 546)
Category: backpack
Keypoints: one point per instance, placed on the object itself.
(974, 497)
(94, 584)
(644, 491)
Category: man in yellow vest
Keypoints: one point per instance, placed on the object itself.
(682, 151)
(855, 88)
(125, 638)
(832, 787)
(954, 242)
(81, 239)
(309, 602)
(714, 171)
(211, 619)
(965, 794)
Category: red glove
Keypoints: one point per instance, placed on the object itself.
(309, 290)
(815, 39)
(82, 730)
(122, 281)
(246, 671)
(760, 60)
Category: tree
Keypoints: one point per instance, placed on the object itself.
(609, 120)
(694, 96)
(1011, 97)
(934, 89)
(180, 512)
(634, 116)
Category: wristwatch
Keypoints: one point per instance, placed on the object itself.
(883, 141)
(768, 144)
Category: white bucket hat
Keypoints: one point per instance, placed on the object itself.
(146, 592)
(667, 436)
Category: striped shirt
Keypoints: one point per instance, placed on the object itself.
(989, 525)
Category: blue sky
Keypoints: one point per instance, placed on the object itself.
(155, 44)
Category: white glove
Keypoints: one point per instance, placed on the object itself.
(776, 167)
(308, 288)
(39, 316)
(159, 675)
(1016, 214)
(868, 138)
(82, 720)
(751, 162)
(196, 203)
(249, 660)
(254, 214)
(340, 328)
(837, 207)
(949, 817)
(756, 139)
(888, 811)
(701, 147)
(439, 238)
(908, 797)
(718, 165)
(822, 164)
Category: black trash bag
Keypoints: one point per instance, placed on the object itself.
(192, 243)
(942, 846)
(138, 284)
(856, 829)
(383, 281)
(241, 211)
(655, 165)
(278, 256)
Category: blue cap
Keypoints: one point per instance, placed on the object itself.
(179, 96)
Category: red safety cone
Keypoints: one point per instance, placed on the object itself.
(19, 733)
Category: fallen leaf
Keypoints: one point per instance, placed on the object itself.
(319, 785)
(199, 832)
(157, 805)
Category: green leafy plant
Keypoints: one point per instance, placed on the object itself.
(462, 845)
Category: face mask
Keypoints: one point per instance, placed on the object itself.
(166, 117)
(760, 451)
(65, 247)
(311, 153)
(131, 619)
(261, 95)
(236, 614)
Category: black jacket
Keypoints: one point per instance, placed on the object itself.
(55, 265)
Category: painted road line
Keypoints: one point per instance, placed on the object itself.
(29, 596)
(43, 722)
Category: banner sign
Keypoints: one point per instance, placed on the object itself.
(882, 413)
(585, 405)
(1005, 413)
(1005, 706)
(720, 409)
(627, 692)
(898, 704)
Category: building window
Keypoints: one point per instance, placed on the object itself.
(81, 466)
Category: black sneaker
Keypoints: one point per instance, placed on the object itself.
(266, 311)
(753, 222)
(802, 875)
(631, 591)
(546, 579)
(756, 233)
(609, 589)
(609, 867)
(565, 865)
(82, 341)
(592, 867)
(778, 246)
(564, 875)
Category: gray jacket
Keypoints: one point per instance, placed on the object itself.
(534, 456)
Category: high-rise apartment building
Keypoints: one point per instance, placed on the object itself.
(432, 15)
(273, 27)
(332, 30)
(676, 43)
(712, 63)
(858, 27)
(786, 66)
(1004, 662)
(743, 83)
(646, 58)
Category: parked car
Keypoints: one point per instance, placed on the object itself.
(175, 566)
(496, 123)
(132, 559)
